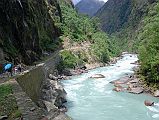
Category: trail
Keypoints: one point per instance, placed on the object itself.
(5, 77)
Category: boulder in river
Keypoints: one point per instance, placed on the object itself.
(131, 86)
(148, 103)
(156, 93)
(118, 88)
(97, 76)
(134, 81)
(123, 80)
(137, 90)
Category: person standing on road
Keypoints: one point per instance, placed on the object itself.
(8, 67)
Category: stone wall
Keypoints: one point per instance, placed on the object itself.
(31, 81)
(51, 64)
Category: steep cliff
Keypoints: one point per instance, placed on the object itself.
(114, 14)
(89, 7)
(28, 27)
(118, 14)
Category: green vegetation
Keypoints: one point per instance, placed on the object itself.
(149, 49)
(124, 21)
(134, 25)
(69, 60)
(100, 46)
(8, 105)
(143, 38)
(80, 28)
(5, 90)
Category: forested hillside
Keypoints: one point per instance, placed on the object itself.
(122, 18)
(118, 14)
(134, 24)
(86, 43)
(31, 29)
(149, 46)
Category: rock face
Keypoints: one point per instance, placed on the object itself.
(53, 96)
(52, 91)
(89, 7)
(62, 117)
(1, 55)
(26, 26)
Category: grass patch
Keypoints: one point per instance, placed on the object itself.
(8, 105)
(5, 90)
(16, 114)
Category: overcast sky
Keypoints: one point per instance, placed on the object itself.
(76, 1)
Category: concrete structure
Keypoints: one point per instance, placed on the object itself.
(31, 80)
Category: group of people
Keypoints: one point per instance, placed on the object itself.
(10, 68)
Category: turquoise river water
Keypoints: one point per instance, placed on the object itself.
(93, 99)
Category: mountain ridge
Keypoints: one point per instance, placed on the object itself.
(89, 7)
(116, 14)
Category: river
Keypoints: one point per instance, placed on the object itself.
(93, 99)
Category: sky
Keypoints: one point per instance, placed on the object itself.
(76, 1)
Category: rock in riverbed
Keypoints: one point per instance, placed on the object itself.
(97, 76)
(134, 81)
(148, 103)
(156, 93)
(137, 90)
(123, 80)
(118, 89)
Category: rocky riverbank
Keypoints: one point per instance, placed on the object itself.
(53, 94)
(133, 84)
(130, 83)
(66, 73)
(52, 99)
